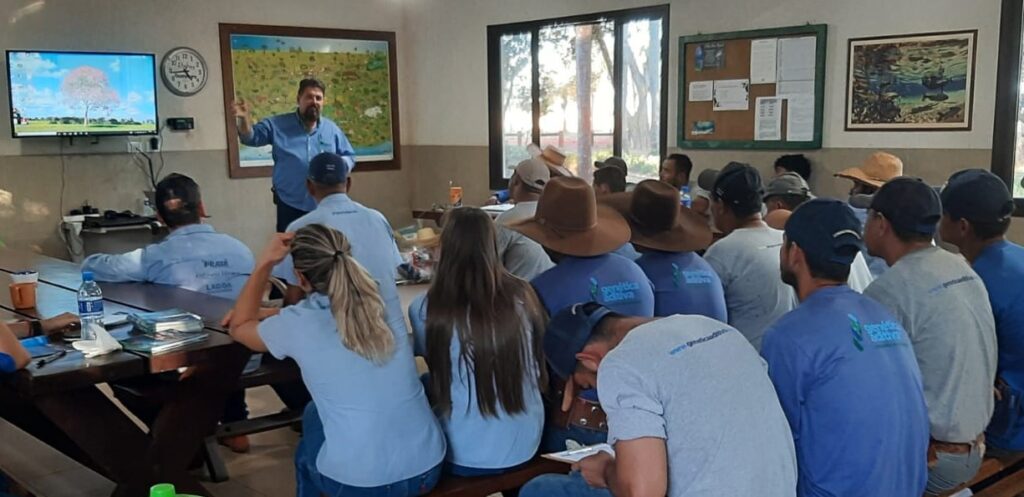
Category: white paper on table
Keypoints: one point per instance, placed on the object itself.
(791, 88)
(701, 91)
(763, 57)
(573, 456)
(732, 94)
(796, 58)
(768, 118)
(800, 118)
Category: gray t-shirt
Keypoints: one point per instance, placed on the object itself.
(521, 256)
(747, 261)
(724, 429)
(943, 305)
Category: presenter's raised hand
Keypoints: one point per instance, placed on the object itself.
(243, 117)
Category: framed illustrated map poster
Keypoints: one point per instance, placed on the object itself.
(264, 64)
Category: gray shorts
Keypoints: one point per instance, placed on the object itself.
(952, 470)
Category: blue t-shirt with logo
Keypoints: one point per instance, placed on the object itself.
(609, 279)
(1001, 267)
(845, 373)
(684, 283)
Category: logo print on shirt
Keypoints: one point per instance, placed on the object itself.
(675, 275)
(594, 288)
(858, 332)
(217, 263)
(615, 293)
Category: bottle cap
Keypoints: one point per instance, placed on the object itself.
(87, 276)
(162, 490)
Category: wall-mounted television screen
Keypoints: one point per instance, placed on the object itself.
(81, 94)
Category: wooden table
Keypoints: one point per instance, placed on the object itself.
(64, 391)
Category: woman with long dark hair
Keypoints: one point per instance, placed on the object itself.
(480, 330)
(369, 427)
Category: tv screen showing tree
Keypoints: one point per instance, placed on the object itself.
(81, 94)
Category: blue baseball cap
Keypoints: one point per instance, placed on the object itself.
(826, 230)
(909, 204)
(328, 169)
(977, 195)
(567, 334)
(739, 184)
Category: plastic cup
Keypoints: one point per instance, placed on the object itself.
(162, 490)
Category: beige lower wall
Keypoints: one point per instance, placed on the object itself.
(30, 185)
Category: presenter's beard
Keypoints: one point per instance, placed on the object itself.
(312, 114)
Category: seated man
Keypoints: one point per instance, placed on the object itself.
(681, 424)
(783, 195)
(747, 259)
(942, 304)
(794, 163)
(840, 358)
(193, 256)
(609, 179)
(521, 256)
(977, 208)
(867, 178)
(675, 170)
(617, 163)
(524, 189)
(579, 237)
(667, 236)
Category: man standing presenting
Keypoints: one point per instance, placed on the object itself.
(297, 137)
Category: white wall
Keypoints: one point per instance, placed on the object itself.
(157, 26)
(450, 66)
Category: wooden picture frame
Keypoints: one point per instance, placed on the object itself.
(901, 82)
(373, 130)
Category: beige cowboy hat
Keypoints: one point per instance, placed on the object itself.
(555, 159)
(570, 221)
(876, 170)
(427, 238)
(657, 219)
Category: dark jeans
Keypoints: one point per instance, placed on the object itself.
(467, 472)
(310, 483)
(286, 214)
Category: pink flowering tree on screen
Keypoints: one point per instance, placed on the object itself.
(89, 89)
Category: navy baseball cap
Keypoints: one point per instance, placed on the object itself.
(977, 195)
(909, 204)
(567, 334)
(328, 169)
(740, 185)
(826, 230)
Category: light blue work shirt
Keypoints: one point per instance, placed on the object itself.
(608, 279)
(373, 246)
(684, 283)
(293, 148)
(193, 257)
(378, 426)
(475, 441)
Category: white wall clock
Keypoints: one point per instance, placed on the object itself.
(183, 71)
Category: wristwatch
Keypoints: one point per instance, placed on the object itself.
(35, 326)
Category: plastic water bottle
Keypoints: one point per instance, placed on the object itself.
(685, 199)
(90, 305)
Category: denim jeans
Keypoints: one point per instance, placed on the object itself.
(571, 485)
(468, 472)
(310, 483)
(953, 470)
(286, 214)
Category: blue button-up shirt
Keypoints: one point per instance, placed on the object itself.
(193, 257)
(373, 246)
(293, 148)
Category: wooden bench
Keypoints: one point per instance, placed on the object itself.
(997, 478)
(508, 483)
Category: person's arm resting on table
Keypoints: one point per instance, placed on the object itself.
(245, 318)
(117, 267)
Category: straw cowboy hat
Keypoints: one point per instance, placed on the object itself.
(657, 219)
(555, 160)
(876, 170)
(569, 221)
(427, 238)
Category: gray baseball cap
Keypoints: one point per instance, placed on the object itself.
(788, 184)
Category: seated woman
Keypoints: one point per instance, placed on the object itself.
(369, 426)
(481, 335)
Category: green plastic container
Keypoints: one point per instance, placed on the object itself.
(165, 490)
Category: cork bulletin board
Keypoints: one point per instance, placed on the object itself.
(722, 77)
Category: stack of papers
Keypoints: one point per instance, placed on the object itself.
(576, 455)
(167, 320)
(159, 342)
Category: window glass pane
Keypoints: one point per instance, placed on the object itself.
(1018, 145)
(516, 113)
(641, 97)
(577, 95)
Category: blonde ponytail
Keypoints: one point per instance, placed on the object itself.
(324, 256)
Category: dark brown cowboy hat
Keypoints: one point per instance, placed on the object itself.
(657, 219)
(569, 221)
